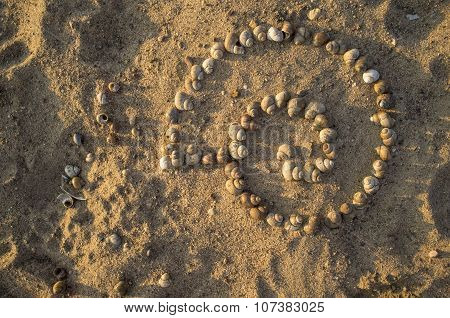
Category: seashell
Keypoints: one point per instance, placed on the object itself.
(313, 14)
(310, 173)
(384, 101)
(71, 171)
(248, 123)
(77, 182)
(381, 87)
(329, 150)
(232, 44)
(301, 36)
(164, 281)
(371, 76)
(327, 135)
(351, 56)
(295, 106)
(383, 119)
(59, 287)
(285, 151)
(102, 119)
(193, 155)
(275, 35)
(253, 109)
(347, 211)
(286, 170)
(121, 288)
(336, 47)
(268, 104)
(359, 200)
(192, 85)
(208, 65)
(333, 220)
(282, 98)
(249, 200)
(379, 168)
(197, 72)
(320, 38)
(65, 199)
(237, 150)
(258, 213)
(114, 87)
(324, 165)
(371, 185)
(114, 239)
(102, 98)
(246, 38)
(293, 223)
(316, 176)
(235, 186)
(77, 139)
(275, 219)
(177, 158)
(232, 170)
(173, 116)
(297, 173)
(183, 101)
(217, 50)
(313, 109)
(311, 225)
(362, 64)
(222, 155)
(388, 136)
(260, 33)
(173, 134)
(236, 132)
(383, 152)
(167, 149)
(288, 31)
(320, 122)
(165, 163)
(60, 273)
(208, 159)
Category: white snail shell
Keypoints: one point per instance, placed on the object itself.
(236, 132)
(246, 38)
(320, 122)
(268, 104)
(301, 36)
(295, 222)
(65, 199)
(336, 47)
(311, 173)
(371, 76)
(383, 119)
(260, 33)
(329, 150)
(324, 165)
(237, 150)
(371, 185)
(252, 109)
(235, 186)
(327, 135)
(275, 219)
(282, 98)
(232, 170)
(291, 171)
(177, 158)
(165, 163)
(232, 44)
(295, 106)
(351, 56)
(388, 136)
(379, 168)
(383, 152)
(208, 65)
(217, 50)
(285, 151)
(183, 101)
(359, 200)
(333, 219)
(314, 108)
(275, 35)
(197, 72)
(72, 171)
(193, 155)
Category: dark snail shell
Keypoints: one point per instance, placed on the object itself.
(320, 38)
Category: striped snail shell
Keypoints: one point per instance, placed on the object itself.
(232, 44)
(248, 123)
(246, 38)
(177, 158)
(237, 150)
(193, 155)
(260, 33)
(183, 101)
(311, 225)
(288, 31)
(285, 151)
(222, 155)
(327, 135)
(324, 165)
(359, 200)
(235, 186)
(302, 35)
(217, 50)
(388, 136)
(208, 65)
(381, 87)
(268, 104)
(236, 132)
(253, 109)
(336, 47)
(333, 220)
(282, 98)
(371, 76)
(314, 108)
(258, 212)
(383, 152)
(275, 35)
(379, 168)
(275, 219)
(329, 150)
(232, 170)
(383, 119)
(197, 72)
(249, 200)
(385, 101)
(371, 185)
(351, 56)
(320, 122)
(295, 106)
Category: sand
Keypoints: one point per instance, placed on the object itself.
(56, 55)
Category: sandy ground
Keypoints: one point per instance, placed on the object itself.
(56, 55)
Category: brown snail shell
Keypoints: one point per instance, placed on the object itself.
(253, 109)
(347, 211)
(237, 150)
(248, 123)
(327, 135)
(246, 38)
(258, 213)
(295, 106)
(232, 44)
(333, 220)
(329, 150)
(275, 219)
(383, 119)
(324, 165)
(208, 159)
(383, 152)
(320, 38)
(268, 104)
(381, 87)
(385, 101)
(193, 155)
(379, 168)
(236, 132)
(371, 185)
(336, 47)
(351, 56)
(288, 31)
(388, 136)
(233, 171)
(222, 155)
(313, 109)
(285, 151)
(311, 225)
(362, 64)
(235, 186)
(76, 182)
(177, 159)
(282, 98)
(301, 36)
(320, 122)
(260, 33)
(217, 50)
(359, 200)
(59, 287)
(102, 119)
(249, 200)
(294, 223)
(173, 134)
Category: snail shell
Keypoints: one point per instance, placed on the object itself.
(167, 149)
(320, 122)
(288, 31)
(208, 65)
(359, 200)
(333, 220)
(371, 76)
(89, 157)
(313, 109)
(324, 165)
(282, 98)
(237, 150)
(249, 200)
(208, 159)
(248, 123)
(383, 152)
(362, 64)
(388, 136)
(351, 56)
(77, 139)
(291, 171)
(347, 211)
(295, 106)
(183, 101)
(312, 225)
(173, 134)
(235, 186)
(164, 281)
(65, 199)
(165, 163)
(102, 118)
(285, 151)
(371, 185)
(193, 155)
(275, 35)
(114, 239)
(301, 36)
(217, 50)
(383, 119)
(294, 223)
(102, 98)
(177, 158)
(381, 87)
(384, 101)
(260, 33)
(114, 87)
(379, 168)
(232, 44)
(72, 171)
(268, 104)
(275, 219)
(76, 182)
(232, 170)
(236, 132)
(253, 109)
(222, 155)
(327, 135)
(246, 38)
(59, 287)
(320, 38)
(311, 174)
(197, 72)
(336, 47)
(259, 212)
(192, 85)
(173, 116)
(297, 173)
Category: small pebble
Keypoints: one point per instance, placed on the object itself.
(234, 93)
(245, 87)
(89, 157)
(77, 139)
(433, 254)
(211, 211)
(125, 173)
(412, 17)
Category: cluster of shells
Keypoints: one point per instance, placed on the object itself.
(176, 156)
